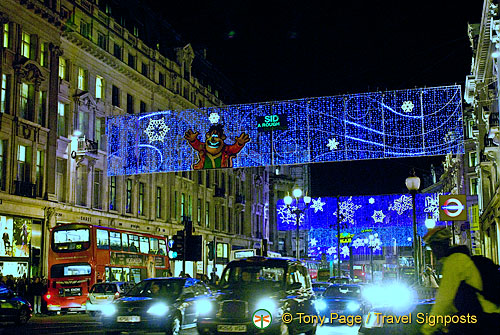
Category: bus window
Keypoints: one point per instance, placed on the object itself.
(70, 270)
(145, 245)
(116, 274)
(115, 240)
(124, 242)
(71, 240)
(133, 243)
(135, 275)
(102, 239)
(154, 245)
(163, 248)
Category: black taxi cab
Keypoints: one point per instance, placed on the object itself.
(253, 296)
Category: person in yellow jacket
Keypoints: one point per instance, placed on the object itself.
(458, 268)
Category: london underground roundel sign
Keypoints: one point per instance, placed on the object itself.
(452, 207)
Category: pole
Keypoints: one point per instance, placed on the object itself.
(338, 238)
(297, 237)
(184, 253)
(371, 262)
(415, 241)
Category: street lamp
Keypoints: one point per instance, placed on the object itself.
(413, 184)
(297, 193)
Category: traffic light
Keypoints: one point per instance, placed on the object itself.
(193, 248)
(211, 250)
(177, 250)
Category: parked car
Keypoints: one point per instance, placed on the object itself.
(156, 304)
(13, 308)
(320, 287)
(105, 293)
(272, 286)
(342, 299)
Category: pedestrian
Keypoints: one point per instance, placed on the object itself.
(38, 290)
(461, 282)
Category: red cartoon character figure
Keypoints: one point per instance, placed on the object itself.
(214, 153)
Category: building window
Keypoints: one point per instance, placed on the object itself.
(61, 119)
(44, 54)
(83, 123)
(474, 186)
(207, 214)
(117, 51)
(216, 218)
(82, 79)
(101, 41)
(23, 163)
(223, 219)
(158, 202)
(81, 185)
(161, 79)
(39, 173)
(3, 164)
(198, 211)
(26, 45)
(143, 107)
(112, 193)
(144, 69)
(97, 189)
(6, 35)
(141, 198)
(183, 207)
(175, 205)
(472, 159)
(42, 108)
(128, 205)
(115, 96)
(100, 133)
(63, 69)
(61, 179)
(229, 221)
(99, 87)
(85, 29)
(190, 207)
(27, 101)
(131, 61)
(4, 95)
(130, 104)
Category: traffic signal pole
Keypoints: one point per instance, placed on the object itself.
(184, 253)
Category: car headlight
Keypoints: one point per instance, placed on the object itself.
(158, 309)
(108, 310)
(320, 305)
(203, 307)
(268, 304)
(353, 306)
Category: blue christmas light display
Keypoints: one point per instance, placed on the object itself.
(387, 218)
(415, 122)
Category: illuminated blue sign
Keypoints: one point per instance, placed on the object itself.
(414, 122)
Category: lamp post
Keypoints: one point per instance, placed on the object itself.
(297, 194)
(413, 184)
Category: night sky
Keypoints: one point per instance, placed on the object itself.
(276, 50)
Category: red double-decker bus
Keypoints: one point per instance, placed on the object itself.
(81, 255)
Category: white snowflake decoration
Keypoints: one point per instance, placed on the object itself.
(332, 144)
(344, 251)
(317, 205)
(432, 205)
(378, 216)
(347, 209)
(156, 130)
(358, 243)
(371, 201)
(287, 216)
(313, 242)
(214, 118)
(407, 106)
(331, 250)
(402, 204)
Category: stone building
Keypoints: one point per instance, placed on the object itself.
(66, 66)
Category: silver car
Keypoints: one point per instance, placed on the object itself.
(105, 293)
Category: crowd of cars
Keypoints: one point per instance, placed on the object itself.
(253, 289)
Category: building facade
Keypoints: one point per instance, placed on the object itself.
(482, 130)
(65, 67)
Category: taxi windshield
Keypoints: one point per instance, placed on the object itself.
(253, 275)
(157, 288)
(342, 291)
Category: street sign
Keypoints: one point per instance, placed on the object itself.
(452, 207)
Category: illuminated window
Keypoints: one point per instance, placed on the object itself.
(4, 95)
(183, 208)
(128, 205)
(474, 186)
(62, 68)
(23, 163)
(44, 55)
(82, 79)
(26, 45)
(61, 119)
(26, 101)
(6, 35)
(99, 87)
(190, 207)
(141, 199)
(144, 244)
(207, 214)
(100, 133)
(198, 212)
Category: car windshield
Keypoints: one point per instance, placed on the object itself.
(342, 292)
(104, 288)
(157, 288)
(253, 274)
